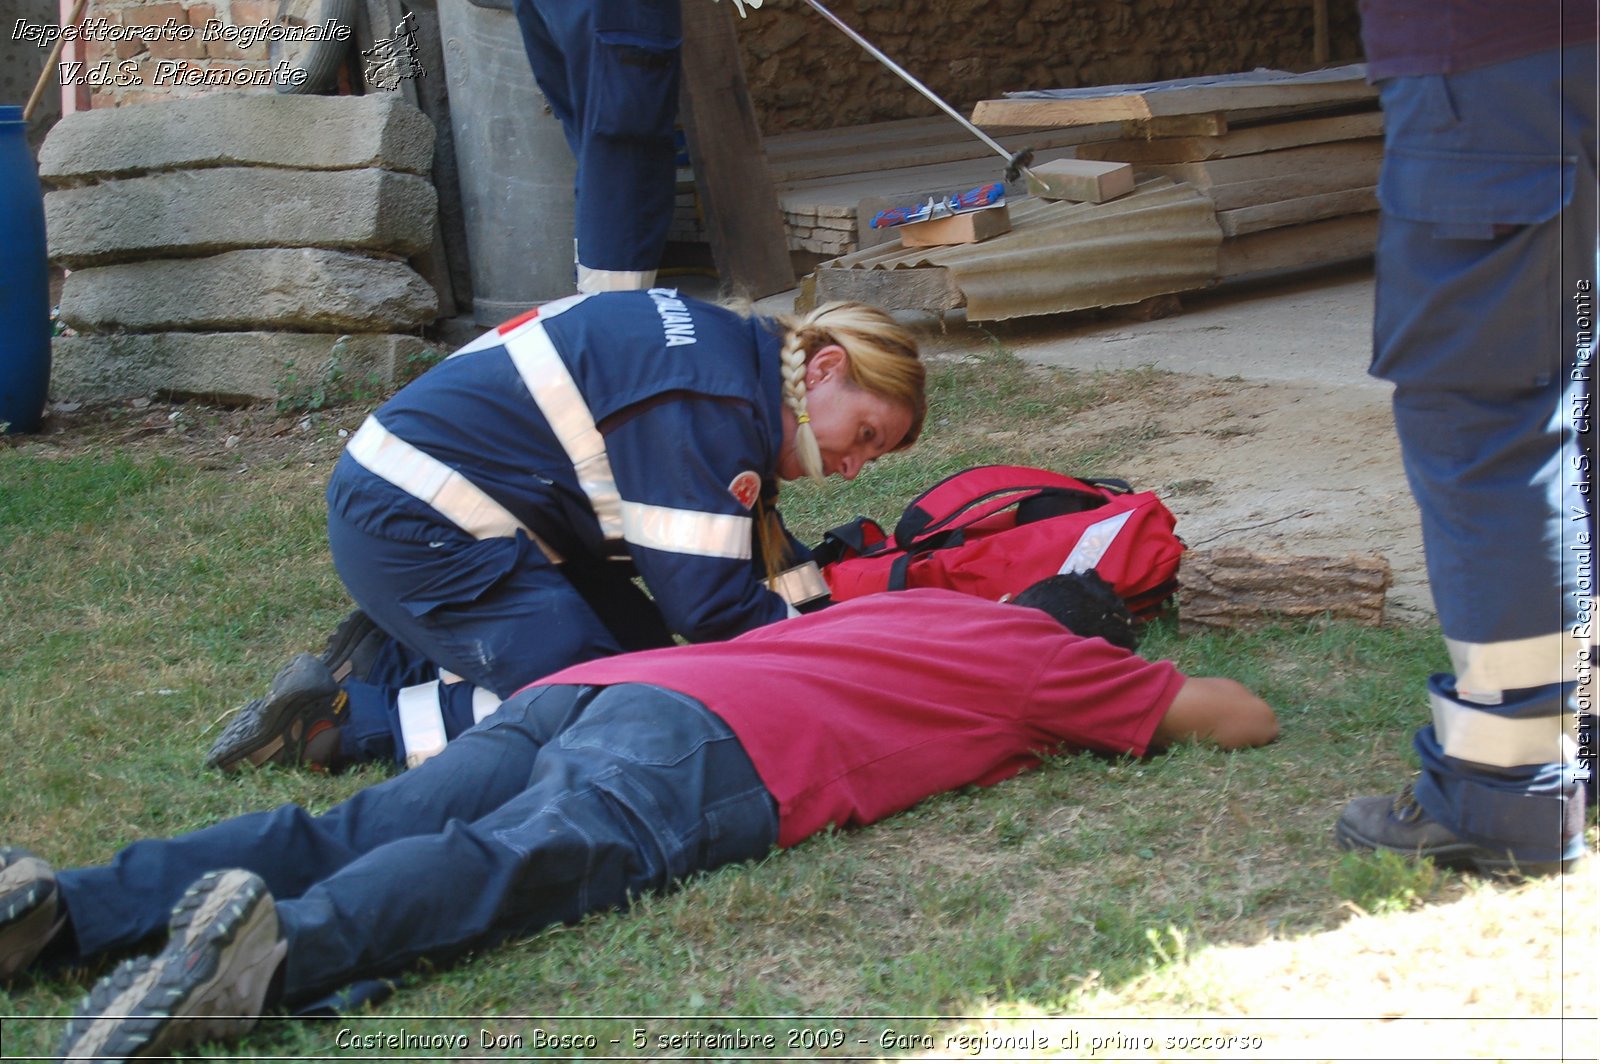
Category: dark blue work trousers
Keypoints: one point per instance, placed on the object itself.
(610, 71)
(1485, 277)
(494, 612)
(567, 801)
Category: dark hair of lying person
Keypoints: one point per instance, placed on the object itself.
(1085, 604)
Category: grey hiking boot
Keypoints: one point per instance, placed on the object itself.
(30, 909)
(211, 982)
(1399, 824)
(296, 723)
(353, 647)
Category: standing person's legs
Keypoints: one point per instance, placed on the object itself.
(610, 69)
(1489, 198)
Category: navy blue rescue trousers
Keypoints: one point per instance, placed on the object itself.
(1485, 298)
(610, 71)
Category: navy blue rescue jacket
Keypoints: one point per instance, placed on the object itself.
(628, 428)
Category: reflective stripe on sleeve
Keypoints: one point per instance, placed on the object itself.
(424, 477)
(1503, 742)
(1094, 543)
(550, 383)
(484, 702)
(1512, 663)
(663, 528)
(695, 532)
(421, 722)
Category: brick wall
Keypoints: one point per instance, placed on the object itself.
(171, 55)
(804, 74)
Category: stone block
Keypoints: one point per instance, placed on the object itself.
(971, 227)
(269, 288)
(1080, 180)
(198, 212)
(380, 131)
(228, 368)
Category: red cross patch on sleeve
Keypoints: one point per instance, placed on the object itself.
(746, 487)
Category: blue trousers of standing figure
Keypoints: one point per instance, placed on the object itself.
(569, 800)
(610, 70)
(1486, 245)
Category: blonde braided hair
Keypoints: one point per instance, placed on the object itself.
(882, 358)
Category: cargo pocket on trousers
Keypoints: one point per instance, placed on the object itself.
(633, 85)
(463, 574)
(1474, 195)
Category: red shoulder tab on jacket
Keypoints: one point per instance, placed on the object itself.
(521, 319)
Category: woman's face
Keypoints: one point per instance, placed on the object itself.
(853, 426)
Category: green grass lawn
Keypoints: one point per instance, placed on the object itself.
(147, 592)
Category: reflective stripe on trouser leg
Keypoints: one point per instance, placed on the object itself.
(1522, 798)
(484, 702)
(432, 714)
(421, 722)
(591, 280)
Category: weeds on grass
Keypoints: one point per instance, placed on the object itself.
(1383, 882)
(340, 381)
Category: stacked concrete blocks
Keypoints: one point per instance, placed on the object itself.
(220, 247)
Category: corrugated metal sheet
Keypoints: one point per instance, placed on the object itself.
(1161, 238)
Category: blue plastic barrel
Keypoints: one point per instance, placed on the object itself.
(24, 282)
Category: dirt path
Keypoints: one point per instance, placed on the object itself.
(1270, 435)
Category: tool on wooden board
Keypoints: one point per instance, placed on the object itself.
(1016, 162)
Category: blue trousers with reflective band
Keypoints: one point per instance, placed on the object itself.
(610, 71)
(1487, 235)
(568, 801)
(494, 612)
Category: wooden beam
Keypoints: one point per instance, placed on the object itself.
(742, 219)
(1250, 180)
(1249, 141)
(925, 288)
(1234, 588)
(1294, 247)
(1160, 99)
(1262, 216)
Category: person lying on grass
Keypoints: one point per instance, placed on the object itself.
(599, 784)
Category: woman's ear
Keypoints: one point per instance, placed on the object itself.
(826, 362)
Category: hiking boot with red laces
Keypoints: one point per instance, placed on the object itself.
(1399, 824)
(296, 723)
(30, 909)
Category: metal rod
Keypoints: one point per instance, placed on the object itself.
(1011, 158)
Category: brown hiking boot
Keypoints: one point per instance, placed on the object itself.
(296, 723)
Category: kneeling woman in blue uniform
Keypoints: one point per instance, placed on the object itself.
(489, 518)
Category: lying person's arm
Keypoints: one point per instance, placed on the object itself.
(1217, 710)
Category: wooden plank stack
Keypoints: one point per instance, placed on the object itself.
(1291, 162)
(822, 176)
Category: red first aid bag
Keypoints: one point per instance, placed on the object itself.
(994, 530)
